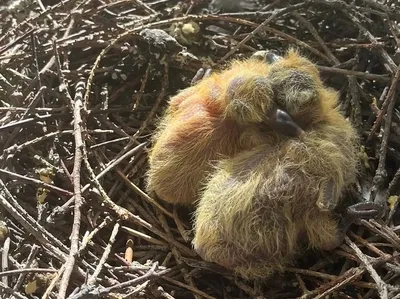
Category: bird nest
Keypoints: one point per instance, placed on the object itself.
(81, 85)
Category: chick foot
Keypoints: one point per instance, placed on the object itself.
(352, 214)
(200, 75)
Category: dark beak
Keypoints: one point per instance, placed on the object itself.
(278, 119)
(283, 123)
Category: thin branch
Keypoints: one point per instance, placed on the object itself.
(382, 287)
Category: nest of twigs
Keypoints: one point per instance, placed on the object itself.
(81, 84)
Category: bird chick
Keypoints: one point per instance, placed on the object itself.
(263, 207)
(219, 116)
(264, 153)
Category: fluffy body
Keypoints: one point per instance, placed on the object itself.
(198, 128)
(259, 210)
(261, 197)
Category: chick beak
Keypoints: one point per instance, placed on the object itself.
(283, 123)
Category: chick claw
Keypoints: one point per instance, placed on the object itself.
(200, 75)
(363, 210)
(328, 199)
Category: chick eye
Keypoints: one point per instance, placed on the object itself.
(268, 56)
(248, 98)
(272, 56)
(251, 88)
(234, 86)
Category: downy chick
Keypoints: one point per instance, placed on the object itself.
(260, 209)
(217, 117)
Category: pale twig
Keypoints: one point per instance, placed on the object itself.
(36, 182)
(99, 292)
(277, 13)
(28, 263)
(104, 257)
(26, 270)
(381, 285)
(76, 173)
(30, 224)
(4, 260)
(8, 290)
(63, 209)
